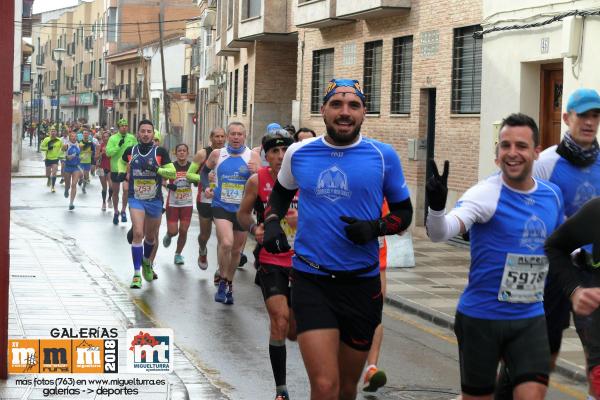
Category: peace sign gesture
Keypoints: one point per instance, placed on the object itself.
(437, 186)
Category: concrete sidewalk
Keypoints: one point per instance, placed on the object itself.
(432, 289)
(54, 285)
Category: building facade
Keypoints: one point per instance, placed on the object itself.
(535, 69)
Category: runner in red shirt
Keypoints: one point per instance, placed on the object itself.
(274, 269)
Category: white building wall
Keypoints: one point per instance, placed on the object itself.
(511, 63)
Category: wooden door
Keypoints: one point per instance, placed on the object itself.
(551, 104)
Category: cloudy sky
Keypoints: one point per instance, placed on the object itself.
(47, 5)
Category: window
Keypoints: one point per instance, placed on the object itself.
(230, 91)
(111, 25)
(401, 74)
(219, 10)
(466, 71)
(122, 76)
(251, 8)
(372, 76)
(245, 91)
(229, 13)
(235, 92)
(99, 67)
(322, 73)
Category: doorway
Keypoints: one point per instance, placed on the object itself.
(551, 89)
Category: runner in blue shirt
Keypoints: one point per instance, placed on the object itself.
(341, 178)
(509, 215)
(233, 165)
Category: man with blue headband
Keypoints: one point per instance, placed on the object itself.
(342, 179)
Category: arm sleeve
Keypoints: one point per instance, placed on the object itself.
(279, 201)
(204, 176)
(126, 154)
(579, 230)
(44, 145)
(441, 227)
(399, 218)
(167, 171)
(192, 173)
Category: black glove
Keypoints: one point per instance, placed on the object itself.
(121, 141)
(360, 231)
(149, 167)
(172, 186)
(274, 240)
(437, 186)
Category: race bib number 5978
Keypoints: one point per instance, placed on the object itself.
(524, 278)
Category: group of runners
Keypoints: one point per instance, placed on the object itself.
(319, 224)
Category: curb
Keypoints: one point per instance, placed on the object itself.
(564, 368)
(28, 176)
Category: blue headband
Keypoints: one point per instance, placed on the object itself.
(336, 83)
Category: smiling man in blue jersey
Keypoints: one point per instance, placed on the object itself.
(341, 178)
(500, 314)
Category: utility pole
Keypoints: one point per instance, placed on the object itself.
(166, 101)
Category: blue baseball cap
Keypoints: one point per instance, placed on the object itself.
(273, 126)
(583, 100)
(336, 83)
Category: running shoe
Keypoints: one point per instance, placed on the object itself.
(103, 206)
(62, 181)
(136, 282)
(71, 207)
(48, 182)
(217, 278)
(147, 271)
(123, 216)
(282, 396)
(221, 294)
(203, 259)
(83, 189)
(52, 190)
(374, 379)
(80, 182)
(243, 260)
(66, 193)
(154, 275)
(178, 259)
(167, 240)
(115, 218)
(229, 297)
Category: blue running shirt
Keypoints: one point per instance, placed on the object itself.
(73, 152)
(144, 184)
(335, 181)
(577, 184)
(508, 230)
(232, 174)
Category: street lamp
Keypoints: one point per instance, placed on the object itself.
(102, 81)
(58, 54)
(40, 74)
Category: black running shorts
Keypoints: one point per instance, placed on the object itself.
(117, 177)
(351, 305)
(220, 213)
(204, 210)
(521, 343)
(274, 280)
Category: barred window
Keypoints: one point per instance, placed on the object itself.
(372, 76)
(235, 91)
(322, 73)
(401, 74)
(466, 71)
(245, 91)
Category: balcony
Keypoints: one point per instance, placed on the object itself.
(366, 9)
(232, 39)
(224, 51)
(317, 13)
(268, 23)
